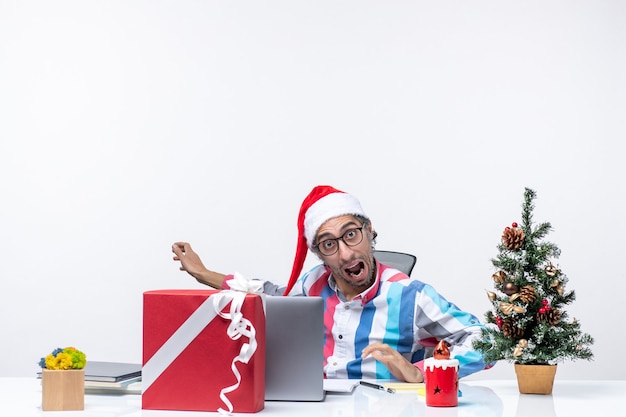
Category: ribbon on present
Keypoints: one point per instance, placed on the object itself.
(239, 326)
(240, 283)
(213, 306)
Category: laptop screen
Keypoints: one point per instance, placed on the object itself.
(294, 363)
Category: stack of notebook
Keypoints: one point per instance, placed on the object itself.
(116, 376)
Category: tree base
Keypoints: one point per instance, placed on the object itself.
(535, 379)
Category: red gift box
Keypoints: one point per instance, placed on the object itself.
(203, 350)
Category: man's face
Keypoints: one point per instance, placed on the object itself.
(352, 266)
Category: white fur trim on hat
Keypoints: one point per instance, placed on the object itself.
(332, 205)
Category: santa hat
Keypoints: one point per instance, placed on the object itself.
(323, 203)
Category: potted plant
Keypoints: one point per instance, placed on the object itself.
(63, 380)
(528, 324)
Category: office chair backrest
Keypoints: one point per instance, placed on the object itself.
(401, 261)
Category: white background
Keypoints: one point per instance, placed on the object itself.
(128, 125)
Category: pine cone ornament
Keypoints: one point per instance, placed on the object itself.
(551, 316)
(527, 294)
(512, 238)
(510, 329)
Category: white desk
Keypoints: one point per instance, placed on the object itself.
(21, 397)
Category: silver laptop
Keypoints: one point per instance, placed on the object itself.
(294, 362)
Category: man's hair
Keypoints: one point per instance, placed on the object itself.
(364, 223)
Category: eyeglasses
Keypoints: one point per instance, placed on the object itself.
(351, 237)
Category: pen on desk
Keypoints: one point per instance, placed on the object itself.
(378, 387)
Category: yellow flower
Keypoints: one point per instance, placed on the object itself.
(61, 361)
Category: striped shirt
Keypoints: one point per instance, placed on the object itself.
(406, 314)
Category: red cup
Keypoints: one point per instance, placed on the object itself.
(442, 382)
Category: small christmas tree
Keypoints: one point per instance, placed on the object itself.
(531, 324)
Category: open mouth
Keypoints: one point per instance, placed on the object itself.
(356, 271)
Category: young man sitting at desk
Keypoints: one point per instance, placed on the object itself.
(379, 323)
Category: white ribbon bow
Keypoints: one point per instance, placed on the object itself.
(240, 283)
